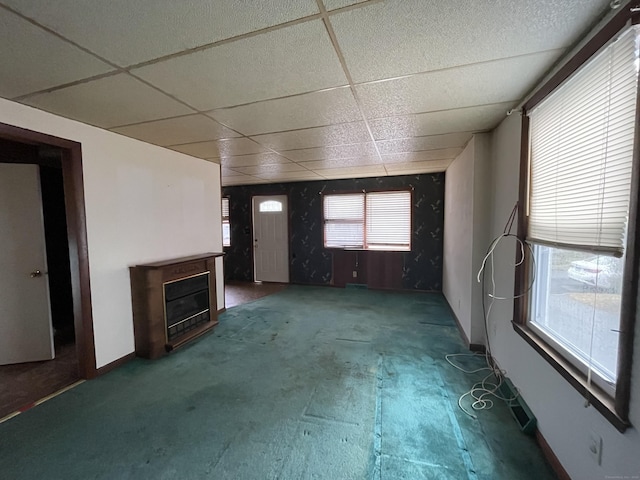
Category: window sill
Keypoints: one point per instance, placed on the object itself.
(600, 400)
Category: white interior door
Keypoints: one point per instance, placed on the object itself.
(26, 334)
(271, 239)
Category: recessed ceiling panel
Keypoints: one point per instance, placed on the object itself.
(174, 131)
(220, 148)
(300, 111)
(257, 159)
(341, 151)
(34, 60)
(275, 168)
(483, 83)
(282, 62)
(399, 37)
(128, 32)
(108, 102)
(472, 119)
(417, 144)
(341, 134)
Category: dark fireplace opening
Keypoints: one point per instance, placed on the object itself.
(186, 304)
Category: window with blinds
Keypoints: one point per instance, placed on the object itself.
(226, 226)
(581, 154)
(368, 221)
(344, 221)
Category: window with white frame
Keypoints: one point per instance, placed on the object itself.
(226, 227)
(581, 150)
(368, 221)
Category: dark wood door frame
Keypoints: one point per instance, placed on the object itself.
(77, 238)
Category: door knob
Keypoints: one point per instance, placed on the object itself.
(36, 273)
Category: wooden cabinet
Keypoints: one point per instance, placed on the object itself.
(174, 301)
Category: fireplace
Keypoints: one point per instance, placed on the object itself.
(186, 304)
(174, 301)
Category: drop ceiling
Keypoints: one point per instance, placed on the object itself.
(287, 90)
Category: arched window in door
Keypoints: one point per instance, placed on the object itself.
(270, 206)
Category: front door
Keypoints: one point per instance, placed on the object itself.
(270, 239)
(25, 318)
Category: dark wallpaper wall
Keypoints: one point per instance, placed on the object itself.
(310, 261)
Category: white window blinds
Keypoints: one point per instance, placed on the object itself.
(389, 220)
(581, 154)
(374, 221)
(344, 220)
(225, 208)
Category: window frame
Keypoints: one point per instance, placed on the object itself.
(615, 408)
(364, 223)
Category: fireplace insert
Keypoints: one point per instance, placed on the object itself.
(186, 304)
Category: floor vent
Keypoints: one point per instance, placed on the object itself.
(518, 408)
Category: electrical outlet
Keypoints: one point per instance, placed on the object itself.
(595, 447)
(355, 274)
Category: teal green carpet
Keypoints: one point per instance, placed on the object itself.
(309, 383)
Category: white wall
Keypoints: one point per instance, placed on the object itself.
(458, 236)
(562, 417)
(466, 233)
(143, 203)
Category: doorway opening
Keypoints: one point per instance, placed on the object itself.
(57, 164)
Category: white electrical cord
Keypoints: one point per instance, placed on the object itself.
(482, 392)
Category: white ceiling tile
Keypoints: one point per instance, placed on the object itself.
(241, 180)
(108, 102)
(228, 172)
(127, 32)
(220, 148)
(289, 176)
(342, 162)
(469, 119)
(417, 167)
(341, 151)
(400, 37)
(484, 83)
(416, 144)
(300, 111)
(266, 169)
(251, 160)
(173, 131)
(291, 60)
(353, 172)
(335, 4)
(427, 155)
(34, 60)
(341, 134)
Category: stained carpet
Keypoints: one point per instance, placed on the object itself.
(308, 383)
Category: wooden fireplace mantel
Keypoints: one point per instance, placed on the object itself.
(147, 292)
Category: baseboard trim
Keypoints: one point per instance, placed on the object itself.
(557, 467)
(115, 364)
(463, 334)
(222, 310)
(477, 347)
